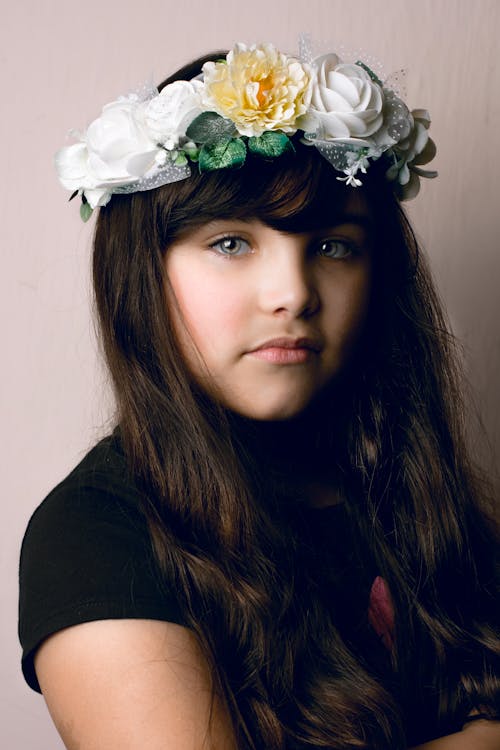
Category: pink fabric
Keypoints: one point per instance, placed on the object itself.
(381, 612)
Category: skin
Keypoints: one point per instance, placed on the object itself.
(131, 684)
(135, 684)
(480, 735)
(235, 285)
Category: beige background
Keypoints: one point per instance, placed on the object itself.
(60, 62)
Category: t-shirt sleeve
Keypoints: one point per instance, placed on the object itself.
(86, 555)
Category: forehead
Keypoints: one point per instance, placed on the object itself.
(293, 200)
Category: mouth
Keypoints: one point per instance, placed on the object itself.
(287, 351)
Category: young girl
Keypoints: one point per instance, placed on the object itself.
(281, 543)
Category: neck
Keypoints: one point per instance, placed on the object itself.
(300, 456)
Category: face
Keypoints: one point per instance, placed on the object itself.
(265, 319)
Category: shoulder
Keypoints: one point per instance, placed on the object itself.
(103, 470)
(100, 486)
(96, 502)
(86, 555)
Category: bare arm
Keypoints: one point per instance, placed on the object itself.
(131, 684)
(138, 684)
(478, 735)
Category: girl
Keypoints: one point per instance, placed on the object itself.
(281, 543)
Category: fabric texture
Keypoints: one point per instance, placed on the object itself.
(87, 556)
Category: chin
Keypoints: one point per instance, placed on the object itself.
(276, 412)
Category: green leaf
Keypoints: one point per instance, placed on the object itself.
(191, 151)
(370, 72)
(270, 144)
(180, 160)
(85, 210)
(209, 127)
(226, 154)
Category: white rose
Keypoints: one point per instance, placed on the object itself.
(72, 167)
(169, 114)
(119, 146)
(116, 150)
(345, 104)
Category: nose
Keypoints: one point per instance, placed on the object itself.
(288, 286)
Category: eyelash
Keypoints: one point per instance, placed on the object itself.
(228, 238)
(349, 248)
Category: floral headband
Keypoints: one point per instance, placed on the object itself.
(253, 101)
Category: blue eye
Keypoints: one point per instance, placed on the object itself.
(337, 249)
(231, 246)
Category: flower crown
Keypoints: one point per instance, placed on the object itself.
(253, 101)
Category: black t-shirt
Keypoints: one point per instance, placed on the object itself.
(87, 556)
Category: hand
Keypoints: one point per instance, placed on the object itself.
(478, 735)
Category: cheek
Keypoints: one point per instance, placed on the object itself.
(357, 302)
(205, 309)
(348, 306)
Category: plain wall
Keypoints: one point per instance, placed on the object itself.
(60, 62)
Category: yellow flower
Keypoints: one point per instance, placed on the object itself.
(258, 88)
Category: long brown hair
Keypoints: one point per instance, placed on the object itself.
(256, 579)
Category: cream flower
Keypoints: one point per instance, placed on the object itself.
(258, 88)
(345, 103)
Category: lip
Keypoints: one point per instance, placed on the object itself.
(287, 351)
(286, 342)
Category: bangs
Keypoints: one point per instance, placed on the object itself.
(294, 193)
